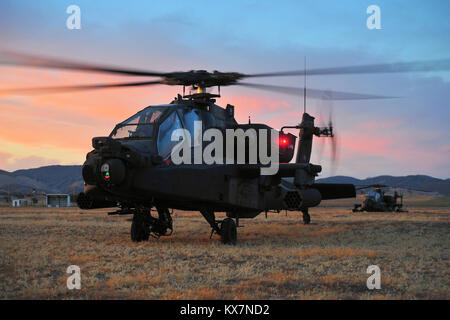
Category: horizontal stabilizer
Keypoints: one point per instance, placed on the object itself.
(335, 190)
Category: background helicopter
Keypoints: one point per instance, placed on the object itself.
(131, 167)
(377, 200)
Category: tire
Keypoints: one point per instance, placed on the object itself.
(139, 231)
(306, 218)
(228, 231)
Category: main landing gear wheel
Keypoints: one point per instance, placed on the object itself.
(306, 217)
(139, 229)
(228, 232)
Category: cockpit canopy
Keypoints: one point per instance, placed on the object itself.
(158, 123)
(150, 130)
(374, 195)
(140, 125)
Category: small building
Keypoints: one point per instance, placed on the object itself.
(57, 200)
(19, 202)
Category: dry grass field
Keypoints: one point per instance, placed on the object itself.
(276, 258)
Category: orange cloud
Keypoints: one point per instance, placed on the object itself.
(42, 129)
(65, 121)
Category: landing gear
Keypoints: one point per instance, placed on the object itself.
(306, 216)
(144, 225)
(163, 225)
(139, 228)
(227, 228)
(228, 232)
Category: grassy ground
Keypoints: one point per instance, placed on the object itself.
(277, 258)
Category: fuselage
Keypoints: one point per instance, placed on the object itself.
(134, 167)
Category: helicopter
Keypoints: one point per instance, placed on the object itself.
(132, 168)
(377, 200)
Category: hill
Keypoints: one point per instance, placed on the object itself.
(418, 182)
(49, 179)
(67, 179)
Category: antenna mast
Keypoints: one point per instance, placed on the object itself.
(304, 89)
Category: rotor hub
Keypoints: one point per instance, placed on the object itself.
(201, 78)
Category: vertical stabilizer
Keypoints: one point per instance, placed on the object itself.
(306, 137)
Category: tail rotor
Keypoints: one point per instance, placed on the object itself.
(328, 132)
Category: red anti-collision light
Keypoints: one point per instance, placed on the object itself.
(284, 141)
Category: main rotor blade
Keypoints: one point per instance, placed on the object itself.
(20, 59)
(392, 187)
(398, 67)
(44, 90)
(314, 93)
(371, 186)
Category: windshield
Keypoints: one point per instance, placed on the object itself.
(165, 143)
(191, 116)
(374, 195)
(138, 126)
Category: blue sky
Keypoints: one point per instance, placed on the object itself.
(410, 135)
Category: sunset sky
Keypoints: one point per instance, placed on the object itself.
(408, 135)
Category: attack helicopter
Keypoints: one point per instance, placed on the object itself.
(132, 169)
(378, 201)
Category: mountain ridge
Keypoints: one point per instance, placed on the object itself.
(418, 182)
(48, 179)
(68, 179)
